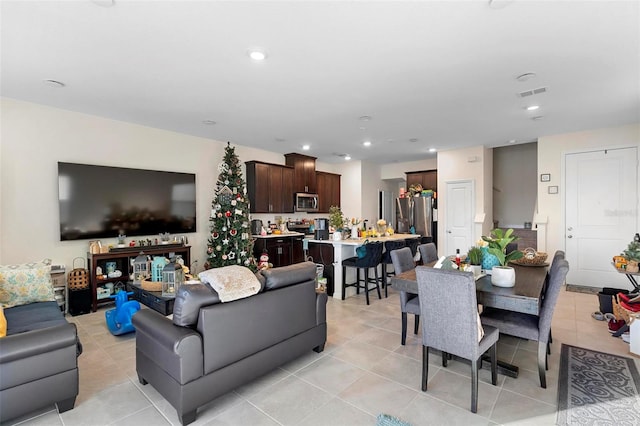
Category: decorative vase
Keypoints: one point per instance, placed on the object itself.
(488, 260)
(503, 276)
(337, 236)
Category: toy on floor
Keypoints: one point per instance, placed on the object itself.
(119, 318)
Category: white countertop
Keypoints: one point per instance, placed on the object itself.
(359, 241)
(284, 234)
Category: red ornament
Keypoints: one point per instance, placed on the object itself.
(227, 213)
(233, 232)
(215, 235)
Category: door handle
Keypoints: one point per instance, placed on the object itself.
(569, 229)
(448, 232)
(569, 236)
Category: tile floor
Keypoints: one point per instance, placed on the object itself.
(363, 371)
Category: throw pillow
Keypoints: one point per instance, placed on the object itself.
(3, 323)
(25, 283)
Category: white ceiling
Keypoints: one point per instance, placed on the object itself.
(443, 73)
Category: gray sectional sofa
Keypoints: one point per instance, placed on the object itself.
(210, 348)
(38, 360)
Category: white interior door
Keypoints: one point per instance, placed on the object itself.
(601, 203)
(459, 216)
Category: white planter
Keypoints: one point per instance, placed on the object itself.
(337, 236)
(476, 269)
(503, 276)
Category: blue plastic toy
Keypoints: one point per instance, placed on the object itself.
(119, 319)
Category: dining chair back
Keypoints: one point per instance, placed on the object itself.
(447, 298)
(428, 253)
(532, 327)
(371, 259)
(402, 260)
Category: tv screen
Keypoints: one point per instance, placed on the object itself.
(102, 202)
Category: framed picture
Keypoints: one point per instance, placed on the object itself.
(545, 177)
(553, 189)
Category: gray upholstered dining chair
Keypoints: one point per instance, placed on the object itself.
(428, 253)
(443, 294)
(532, 327)
(402, 260)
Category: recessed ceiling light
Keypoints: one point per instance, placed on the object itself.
(366, 143)
(432, 150)
(208, 122)
(347, 157)
(413, 140)
(512, 141)
(257, 54)
(526, 76)
(538, 118)
(306, 147)
(533, 107)
(365, 118)
(54, 83)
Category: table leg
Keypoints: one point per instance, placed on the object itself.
(633, 281)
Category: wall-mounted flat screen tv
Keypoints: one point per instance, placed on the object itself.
(102, 202)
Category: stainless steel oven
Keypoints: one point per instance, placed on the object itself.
(306, 202)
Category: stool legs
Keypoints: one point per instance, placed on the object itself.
(366, 282)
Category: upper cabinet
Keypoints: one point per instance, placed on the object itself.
(270, 187)
(328, 191)
(304, 169)
(428, 179)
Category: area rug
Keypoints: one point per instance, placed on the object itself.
(596, 388)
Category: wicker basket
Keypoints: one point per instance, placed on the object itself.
(151, 285)
(620, 312)
(531, 258)
(78, 277)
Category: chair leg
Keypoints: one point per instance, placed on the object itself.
(474, 385)
(384, 279)
(425, 367)
(375, 273)
(344, 280)
(416, 324)
(358, 281)
(366, 284)
(542, 361)
(550, 338)
(445, 357)
(404, 329)
(494, 363)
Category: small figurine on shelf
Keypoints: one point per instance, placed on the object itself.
(121, 238)
(164, 237)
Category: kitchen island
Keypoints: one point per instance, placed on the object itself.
(346, 248)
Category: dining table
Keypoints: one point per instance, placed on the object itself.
(525, 296)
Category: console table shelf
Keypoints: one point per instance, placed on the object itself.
(122, 257)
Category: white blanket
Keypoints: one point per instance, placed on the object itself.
(231, 282)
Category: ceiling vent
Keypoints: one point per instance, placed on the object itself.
(532, 92)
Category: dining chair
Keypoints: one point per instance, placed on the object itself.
(402, 260)
(389, 246)
(446, 298)
(532, 327)
(559, 255)
(371, 259)
(412, 243)
(428, 253)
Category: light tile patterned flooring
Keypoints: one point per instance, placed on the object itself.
(362, 372)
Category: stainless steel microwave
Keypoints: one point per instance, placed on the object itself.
(306, 202)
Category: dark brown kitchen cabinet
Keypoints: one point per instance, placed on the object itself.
(304, 168)
(328, 191)
(282, 251)
(428, 179)
(297, 249)
(269, 187)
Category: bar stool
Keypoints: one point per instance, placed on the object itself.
(372, 259)
(389, 246)
(412, 243)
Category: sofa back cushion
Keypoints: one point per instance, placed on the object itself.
(189, 299)
(288, 275)
(235, 330)
(33, 316)
(25, 283)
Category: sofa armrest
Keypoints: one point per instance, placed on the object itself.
(321, 308)
(177, 350)
(37, 342)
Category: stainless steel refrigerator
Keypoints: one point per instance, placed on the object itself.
(416, 212)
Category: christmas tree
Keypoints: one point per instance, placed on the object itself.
(230, 242)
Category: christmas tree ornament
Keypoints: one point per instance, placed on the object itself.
(218, 248)
(225, 241)
(232, 255)
(224, 257)
(233, 232)
(227, 213)
(234, 202)
(224, 229)
(215, 235)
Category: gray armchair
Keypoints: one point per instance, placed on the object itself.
(402, 260)
(532, 327)
(441, 293)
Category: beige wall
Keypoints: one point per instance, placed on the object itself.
(474, 164)
(35, 137)
(398, 170)
(551, 151)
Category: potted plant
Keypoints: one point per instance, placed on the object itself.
(502, 275)
(475, 260)
(632, 254)
(336, 221)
